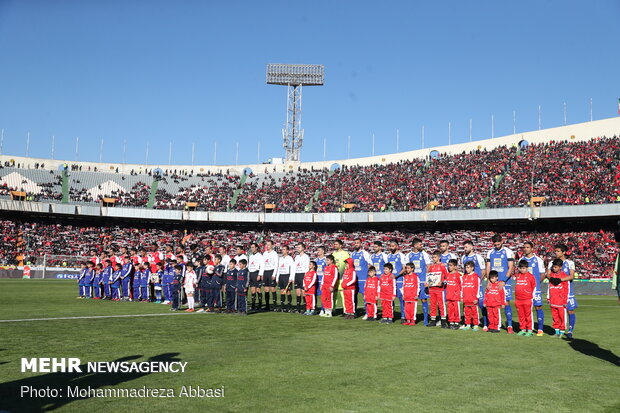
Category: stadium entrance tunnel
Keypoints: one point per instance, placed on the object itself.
(334, 167)
(247, 171)
(434, 154)
(523, 144)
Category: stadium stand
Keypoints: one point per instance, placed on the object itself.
(561, 172)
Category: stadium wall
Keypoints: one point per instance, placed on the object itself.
(577, 132)
(572, 212)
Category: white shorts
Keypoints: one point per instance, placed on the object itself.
(189, 291)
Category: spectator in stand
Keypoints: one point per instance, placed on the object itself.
(593, 252)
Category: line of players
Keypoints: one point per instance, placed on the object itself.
(156, 276)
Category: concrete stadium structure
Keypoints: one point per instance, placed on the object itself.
(577, 132)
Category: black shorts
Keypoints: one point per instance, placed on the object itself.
(283, 282)
(268, 280)
(254, 279)
(299, 280)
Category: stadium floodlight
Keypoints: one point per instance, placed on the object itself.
(294, 76)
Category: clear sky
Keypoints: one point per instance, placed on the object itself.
(193, 72)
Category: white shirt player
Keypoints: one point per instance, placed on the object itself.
(239, 258)
(225, 260)
(270, 261)
(302, 264)
(189, 282)
(285, 267)
(255, 263)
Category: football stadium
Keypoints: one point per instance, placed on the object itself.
(458, 274)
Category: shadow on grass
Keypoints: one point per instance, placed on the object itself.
(593, 350)
(10, 392)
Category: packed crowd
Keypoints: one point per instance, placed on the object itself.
(564, 173)
(213, 193)
(289, 193)
(593, 252)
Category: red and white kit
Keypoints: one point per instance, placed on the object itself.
(436, 293)
(411, 286)
(494, 299)
(310, 281)
(525, 285)
(453, 296)
(470, 291)
(349, 283)
(387, 292)
(558, 299)
(330, 276)
(371, 294)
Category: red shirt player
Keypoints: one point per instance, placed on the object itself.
(94, 258)
(494, 300)
(154, 257)
(558, 296)
(470, 292)
(310, 282)
(371, 293)
(525, 286)
(387, 292)
(411, 287)
(453, 294)
(330, 276)
(349, 283)
(435, 280)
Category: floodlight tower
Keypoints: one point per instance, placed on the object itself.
(294, 77)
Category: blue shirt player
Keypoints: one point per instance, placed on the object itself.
(421, 260)
(106, 278)
(89, 276)
(126, 273)
(81, 285)
(167, 281)
(502, 260)
(445, 255)
(321, 262)
(378, 257)
(361, 260)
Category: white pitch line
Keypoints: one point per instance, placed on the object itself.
(96, 316)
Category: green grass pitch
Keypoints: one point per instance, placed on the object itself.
(287, 362)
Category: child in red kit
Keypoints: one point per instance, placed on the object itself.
(470, 291)
(310, 282)
(435, 281)
(411, 286)
(453, 294)
(494, 300)
(330, 276)
(387, 292)
(525, 286)
(371, 293)
(349, 285)
(558, 296)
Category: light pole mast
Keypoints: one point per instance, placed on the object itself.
(294, 76)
